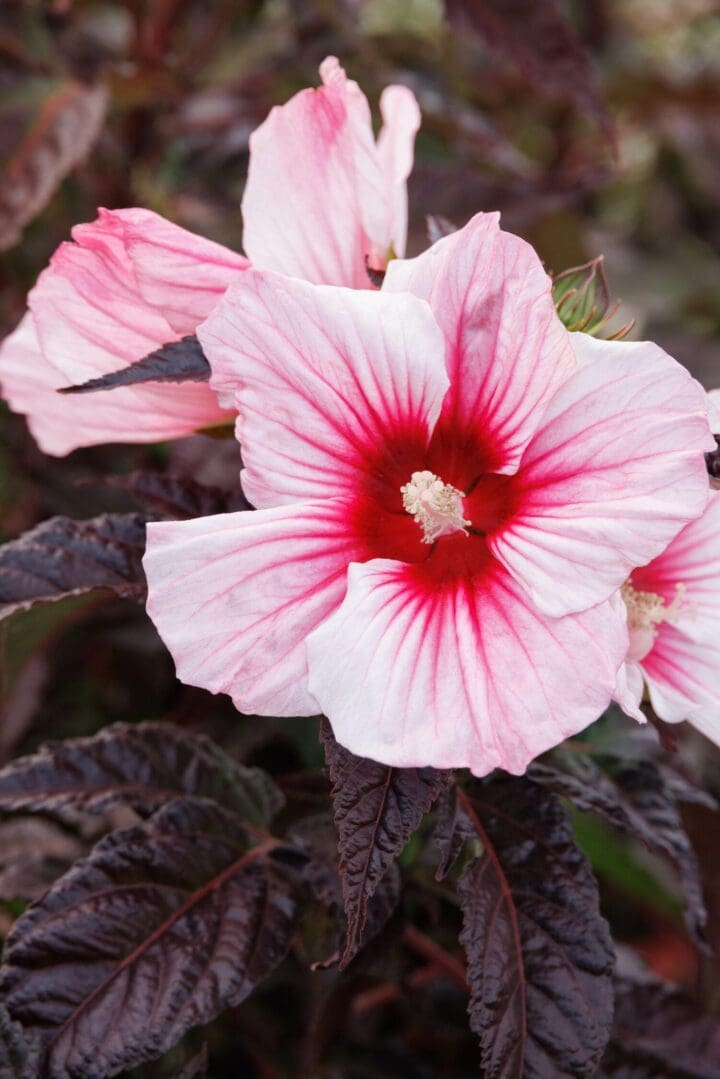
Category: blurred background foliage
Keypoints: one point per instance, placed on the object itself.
(592, 125)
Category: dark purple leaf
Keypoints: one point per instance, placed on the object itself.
(538, 38)
(197, 1068)
(376, 810)
(161, 928)
(658, 1031)
(142, 766)
(376, 276)
(325, 928)
(62, 134)
(177, 361)
(539, 954)
(454, 832)
(62, 557)
(17, 1058)
(33, 854)
(637, 798)
(178, 498)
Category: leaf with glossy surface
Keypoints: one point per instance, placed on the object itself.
(325, 928)
(142, 766)
(33, 854)
(62, 557)
(178, 498)
(640, 800)
(176, 361)
(17, 1058)
(539, 39)
(539, 954)
(161, 928)
(61, 136)
(376, 810)
(660, 1031)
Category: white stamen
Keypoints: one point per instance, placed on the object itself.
(646, 611)
(436, 506)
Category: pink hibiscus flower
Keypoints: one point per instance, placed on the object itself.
(451, 490)
(322, 197)
(673, 611)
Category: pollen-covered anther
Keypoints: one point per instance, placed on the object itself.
(646, 611)
(436, 506)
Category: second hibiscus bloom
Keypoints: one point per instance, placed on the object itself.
(451, 490)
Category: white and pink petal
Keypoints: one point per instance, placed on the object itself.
(688, 572)
(629, 690)
(682, 675)
(234, 597)
(321, 197)
(507, 351)
(465, 673)
(61, 424)
(613, 473)
(336, 389)
(395, 145)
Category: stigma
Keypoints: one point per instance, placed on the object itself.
(646, 612)
(436, 506)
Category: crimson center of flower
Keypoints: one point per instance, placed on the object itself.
(436, 506)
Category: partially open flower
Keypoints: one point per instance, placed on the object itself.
(451, 491)
(322, 198)
(128, 284)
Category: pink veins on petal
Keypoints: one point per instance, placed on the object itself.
(451, 491)
(673, 607)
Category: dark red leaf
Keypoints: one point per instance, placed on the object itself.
(33, 854)
(161, 928)
(17, 1058)
(376, 276)
(659, 1031)
(177, 361)
(538, 38)
(178, 498)
(376, 810)
(62, 134)
(197, 1068)
(712, 461)
(62, 557)
(325, 929)
(454, 832)
(636, 797)
(142, 766)
(539, 954)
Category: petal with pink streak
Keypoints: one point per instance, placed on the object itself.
(319, 197)
(682, 675)
(396, 142)
(714, 411)
(61, 424)
(234, 597)
(462, 675)
(692, 561)
(90, 310)
(94, 311)
(175, 270)
(326, 380)
(613, 473)
(507, 351)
